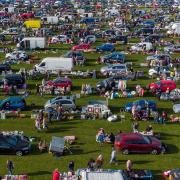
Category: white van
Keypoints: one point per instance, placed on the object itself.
(54, 65)
(140, 46)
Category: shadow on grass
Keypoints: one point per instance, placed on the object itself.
(157, 174)
(59, 129)
(142, 162)
(39, 173)
(172, 149)
(165, 136)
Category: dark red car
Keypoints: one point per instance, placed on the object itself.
(81, 47)
(137, 143)
(163, 85)
(60, 82)
(27, 15)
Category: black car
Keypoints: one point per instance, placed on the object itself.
(72, 54)
(153, 38)
(4, 67)
(13, 79)
(14, 144)
(144, 31)
(119, 38)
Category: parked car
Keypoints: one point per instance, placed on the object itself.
(13, 79)
(138, 143)
(106, 83)
(114, 69)
(115, 57)
(105, 47)
(81, 47)
(141, 105)
(172, 48)
(163, 85)
(118, 38)
(60, 82)
(11, 31)
(14, 144)
(90, 39)
(164, 59)
(17, 55)
(67, 103)
(176, 107)
(4, 67)
(76, 55)
(12, 103)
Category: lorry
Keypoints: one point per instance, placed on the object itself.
(54, 65)
(32, 23)
(50, 20)
(32, 43)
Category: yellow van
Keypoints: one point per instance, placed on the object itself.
(33, 23)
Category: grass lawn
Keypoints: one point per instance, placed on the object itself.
(40, 166)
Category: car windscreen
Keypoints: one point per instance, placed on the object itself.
(12, 140)
(147, 139)
(118, 138)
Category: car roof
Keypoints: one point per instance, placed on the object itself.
(167, 81)
(131, 136)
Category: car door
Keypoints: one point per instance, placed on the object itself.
(13, 104)
(132, 146)
(67, 104)
(142, 146)
(5, 148)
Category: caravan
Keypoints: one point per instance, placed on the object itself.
(32, 43)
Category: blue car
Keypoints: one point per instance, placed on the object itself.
(115, 57)
(105, 47)
(142, 104)
(12, 103)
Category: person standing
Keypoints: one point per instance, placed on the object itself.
(99, 161)
(71, 166)
(113, 156)
(129, 165)
(10, 167)
(56, 174)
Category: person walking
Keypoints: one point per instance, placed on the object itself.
(113, 156)
(10, 167)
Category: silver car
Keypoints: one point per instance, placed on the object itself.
(114, 69)
(176, 107)
(67, 103)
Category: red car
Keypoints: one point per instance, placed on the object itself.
(138, 143)
(27, 15)
(60, 82)
(163, 85)
(81, 47)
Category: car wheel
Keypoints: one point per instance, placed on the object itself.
(125, 151)
(163, 150)
(154, 151)
(19, 153)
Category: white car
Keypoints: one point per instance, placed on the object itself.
(176, 108)
(17, 55)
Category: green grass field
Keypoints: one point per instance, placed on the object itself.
(40, 166)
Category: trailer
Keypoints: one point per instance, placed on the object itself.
(29, 43)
